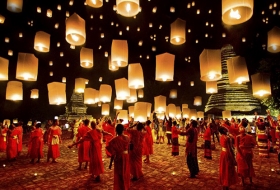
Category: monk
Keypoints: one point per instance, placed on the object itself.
(3, 138)
(109, 127)
(36, 144)
(207, 139)
(19, 130)
(12, 139)
(54, 141)
(148, 142)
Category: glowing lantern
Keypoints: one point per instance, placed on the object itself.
(128, 8)
(192, 83)
(149, 108)
(34, 94)
(86, 57)
(171, 110)
(123, 115)
(140, 111)
(2, 19)
(133, 96)
(140, 93)
(261, 84)
(237, 12)
(165, 67)
(80, 85)
(226, 114)
(119, 53)
(105, 109)
(131, 111)
(49, 13)
(4, 65)
(186, 112)
(100, 79)
(97, 96)
(27, 67)
(75, 30)
(135, 76)
(118, 104)
(178, 112)
(94, 3)
(57, 94)
(193, 114)
(178, 32)
(89, 96)
(63, 79)
(211, 87)
(237, 70)
(122, 90)
(14, 5)
(105, 93)
(111, 66)
(273, 40)
(210, 65)
(173, 93)
(185, 106)
(200, 114)
(14, 90)
(197, 101)
(42, 41)
(160, 104)
(15, 121)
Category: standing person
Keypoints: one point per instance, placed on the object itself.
(148, 142)
(215, 130)
(207, 141)
(175, 134)
(168, 129)
(54, 141)
(36, 144)
(47, 126)
(109, 127)
(228, 175)
(118, 147)
(3, 137)
(12, 139)
(19, 130)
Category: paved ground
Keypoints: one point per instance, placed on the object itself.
(163, 173)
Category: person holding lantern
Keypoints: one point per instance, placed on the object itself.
(54, 141)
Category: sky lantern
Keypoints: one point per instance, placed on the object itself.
(122, 90)
(96, 95)
(211, 87)
(2, 19)
(119, 53)
(165, 67)
(237, 70)
(80, 85)
(140, 111)
(160, 104)
(140, 93)
(193, 114)
(57, 93)
(261, 84)
(14, 90)
(75, 30)
(64, 79)
(131, 111)
(111, 66)
(178, 32)
(105, 109)
(200, 114)
(178, 112)
(185, 106)
(86, 57)
(4, 67)
(236, 12)
(135, 76)
(173, 93)
(123, 114)
(89, 96)
(49, 13)
(171, 110)
(210, 65)
(197, 101)
(94, 3)
(186, 112)
(128, 8)
(192, 83)
(14, 5)
(105, 93)
(273, 40)
(133, 96)
(34, 94)
(149, 109)
(27, 67)
(226, 114)
(42, 41)
(118, 104)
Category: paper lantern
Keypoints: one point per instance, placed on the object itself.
(15, 121)
(237, 12)
(94, 3)
(128, 8)
(165, 67)
(89, 96)
(57, 93)
(105, 93)
(118, 104)
(211, 87)
(237, 70)
(261, 84)
(49, 13)
(14, 90)
(123, 114)
(4, 66)
(226, 114)
(178, 32)
(178, 112)
(131, 111)
(80, 85)
(75, 30)
(185, 106)
(197, 101)
(192, 83)
(186, 112)
(34, 94)
(14, 5)
(140, 93)
(2, 19)
(171, 110)
(27, 67)
(273, 40)
(140, 111)
(135, 76)
(173, 93)
(200, 114)
(100, 79)
(111, 66)
(105, 109)
(193, 114)
(97, 96)
(160, 104)
(42, 41)
(149, 109)
(7, 122)
(86, 57)
(210, 65)
(132, 97)
(122, 90)
(119, 53)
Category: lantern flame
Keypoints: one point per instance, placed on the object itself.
(234, 14)
(211, 76)
(75, 37)
(274, 47)
(127, 7)
(94, 2)
(177, 39)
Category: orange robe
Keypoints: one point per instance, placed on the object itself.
(83, 151)
(19, 131)
(110, 129)
(54, 141)
(3, 139)
(12, 141)
(36, 144)
(148, 142)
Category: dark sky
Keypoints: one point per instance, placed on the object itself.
(254, 30)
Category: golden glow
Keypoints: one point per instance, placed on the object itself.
(128, 7)
(75, 37)
(234, 14)
(211, 76)
(177, 39)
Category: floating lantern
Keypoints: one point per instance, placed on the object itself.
(39, 10)
(96, 95)
(178, 112)
(14, 90)
(140, 93)
(7, 40)
(178, 32)
(111, 66)
(236, 12)
(75, 30)
(42, 41)
(4, 66)
(100, 79)
(63, 79)
(131, 111)
(226, 114)
(171, 110)
(193, 114)
(192, 83)
(179, 83)
(118, 104)
(49, 13)
(186, 112)
(57, 94)
(51, 73)
(237, 70)
(273, 40)
(119, 53)
(172, 9)
(123, 115)
(122, 90)
(173, 93)
(2, 19)
(200, 114)
(14, 5)
(105, 109)
(34, 94)
(105, 93)
(89, 95)
(27, 67)
(135, 76)
(165, 67)
(128, 8)
(185, 106)
(140, 111)
(160, 104)
(210, 65)
(86, 57)
(197, 101)
(132, 97)
(261, 84)
(211, 87)
(79, 85)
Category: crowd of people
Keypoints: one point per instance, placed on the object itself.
(127, 142)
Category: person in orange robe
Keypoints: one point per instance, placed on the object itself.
(36, 143)
(118, 147)
(20, 133)
(54, 141)
(207, 140)
(12, 140)
(3, 138)
(110, 128)
(148, 142)
(175, 134)
(83, 151)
